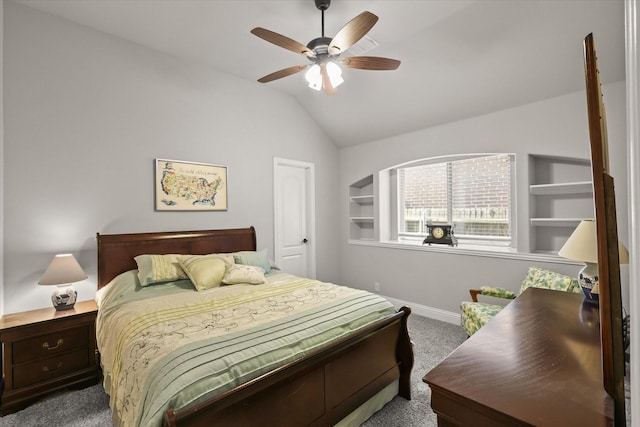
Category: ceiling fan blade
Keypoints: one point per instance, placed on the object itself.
(282, 73)
(282, 41)
(353, 31)
(370, 63)
(327, 87)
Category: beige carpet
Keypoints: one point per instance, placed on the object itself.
(433, 341)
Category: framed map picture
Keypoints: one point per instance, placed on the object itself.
(189, 186)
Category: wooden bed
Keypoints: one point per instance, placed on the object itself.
(317, 390)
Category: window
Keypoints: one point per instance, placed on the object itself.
(473, 193)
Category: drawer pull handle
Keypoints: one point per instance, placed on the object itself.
(45, 344)
(45, 368)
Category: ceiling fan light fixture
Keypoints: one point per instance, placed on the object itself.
(325, 74)
(313, 77)
(335, 74)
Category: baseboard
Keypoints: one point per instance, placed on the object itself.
(426, 311)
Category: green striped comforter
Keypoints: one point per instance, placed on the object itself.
(169, 346)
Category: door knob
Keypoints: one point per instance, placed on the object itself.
(305, 241)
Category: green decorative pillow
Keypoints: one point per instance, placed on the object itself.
(205, 271)
(239, 273)
(541, 278)
(255, 258)
(154, 269)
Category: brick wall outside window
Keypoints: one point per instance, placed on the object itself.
(480, 191)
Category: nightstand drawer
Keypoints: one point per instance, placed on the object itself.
(53, 367)
(50, 344)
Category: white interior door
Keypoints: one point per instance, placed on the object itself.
(294, 204)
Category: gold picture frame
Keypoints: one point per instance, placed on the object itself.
(189, 186)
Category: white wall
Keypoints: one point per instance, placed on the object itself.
(1, 157)
(86, 114)
(632, 45)
(441, 280)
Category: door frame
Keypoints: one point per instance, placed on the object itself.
(310, 208)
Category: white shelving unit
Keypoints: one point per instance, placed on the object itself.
(582, 187)
(555, 222)
(362, 200)
(362, 209)
(361, 219)
(560, 196)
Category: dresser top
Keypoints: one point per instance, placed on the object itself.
(538, 362)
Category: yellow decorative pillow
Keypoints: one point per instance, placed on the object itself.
(154, 269)
(205, 271)
(239, 273)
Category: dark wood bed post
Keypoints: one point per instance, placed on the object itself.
(404, 354)
(169, 418)
(607, 240)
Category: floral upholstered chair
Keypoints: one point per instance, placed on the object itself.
(475, 314)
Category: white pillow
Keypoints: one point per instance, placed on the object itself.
(240, 273)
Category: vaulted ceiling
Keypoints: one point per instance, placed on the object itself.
(460, 59)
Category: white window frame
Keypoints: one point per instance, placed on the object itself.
(485, 242)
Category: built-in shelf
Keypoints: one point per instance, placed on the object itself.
(582, 187)
(560, 196)
(362, 218)
(362, 200)
(362, 209)
(555, 222)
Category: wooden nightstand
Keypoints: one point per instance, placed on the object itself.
(47, 350)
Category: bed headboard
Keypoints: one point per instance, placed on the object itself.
(116, 251)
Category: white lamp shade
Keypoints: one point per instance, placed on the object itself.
(335, 74)
(581, 245)
(63, 269)
(313, 77)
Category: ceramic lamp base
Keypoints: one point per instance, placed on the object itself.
(589, 283)
(64, 297)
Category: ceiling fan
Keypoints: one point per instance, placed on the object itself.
(324, 53)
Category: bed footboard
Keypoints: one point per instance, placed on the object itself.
(318, 390)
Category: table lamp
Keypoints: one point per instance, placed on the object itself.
(581, 246)
(62, 272)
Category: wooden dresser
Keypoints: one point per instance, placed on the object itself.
(538, 362)
(45, 351)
